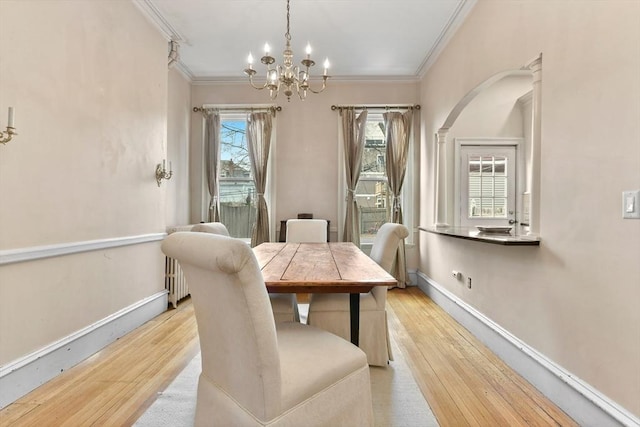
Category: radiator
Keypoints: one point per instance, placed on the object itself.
(174, 280)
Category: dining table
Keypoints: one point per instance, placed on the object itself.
(334, 267)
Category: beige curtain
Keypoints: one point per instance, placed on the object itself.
(398, 130)
(259, 127)
(353, 137)
(212, 161)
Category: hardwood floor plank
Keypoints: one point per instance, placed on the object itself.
(436, 352)
(117, 384)
(12, 413)
(466, 364)
(442, 403)
(464, 383)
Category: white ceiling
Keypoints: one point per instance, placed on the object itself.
(363, 39)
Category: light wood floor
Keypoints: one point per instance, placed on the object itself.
(463, 382)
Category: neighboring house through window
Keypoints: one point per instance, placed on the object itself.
(372, 192)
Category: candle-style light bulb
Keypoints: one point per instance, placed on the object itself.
(273, 76)
(267, 49)
(250, 61)
(326, 66)
(308, 50)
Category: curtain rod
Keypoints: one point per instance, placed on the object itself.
(375, 107)
(239, 109)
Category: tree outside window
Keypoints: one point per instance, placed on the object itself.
(237, 190)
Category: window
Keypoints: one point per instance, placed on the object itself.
(487, 176)
(372, 192)
(487, 191)
(237, 190)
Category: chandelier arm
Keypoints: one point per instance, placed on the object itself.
(258, 87)
(324, 85)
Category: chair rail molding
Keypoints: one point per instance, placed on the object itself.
(11, 256)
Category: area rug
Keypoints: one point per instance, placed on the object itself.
(397, 400)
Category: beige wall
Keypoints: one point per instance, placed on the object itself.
(88, 80)
(575, 298)
(178, 125)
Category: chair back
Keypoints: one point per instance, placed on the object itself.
(306, 230)
(383, 251)
(211, 227)
(235, 321)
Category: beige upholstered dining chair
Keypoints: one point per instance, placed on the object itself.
(331, 311)
(306, 230)
(211, 227)
(256, 372)
(285, 306)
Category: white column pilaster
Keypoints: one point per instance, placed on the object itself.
(536, 140)
(441, 178)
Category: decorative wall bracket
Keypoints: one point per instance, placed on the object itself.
(9, 134)
(6, 136)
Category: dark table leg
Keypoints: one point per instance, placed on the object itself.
(354, 306)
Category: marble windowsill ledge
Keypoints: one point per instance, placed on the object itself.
(471, 233)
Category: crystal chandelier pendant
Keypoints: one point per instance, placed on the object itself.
(291, 78)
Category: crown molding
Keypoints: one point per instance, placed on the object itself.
(464, 7)
(184, 70)
(169, 33)
(212, 80)
(155, 17)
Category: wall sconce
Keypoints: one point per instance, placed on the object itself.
(10, 129)
(161, 172)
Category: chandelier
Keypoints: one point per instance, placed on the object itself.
(291, 78)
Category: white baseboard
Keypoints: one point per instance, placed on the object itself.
(579, 400)
(26, 374)
(413, 277)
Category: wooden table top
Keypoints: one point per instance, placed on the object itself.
(335, 267)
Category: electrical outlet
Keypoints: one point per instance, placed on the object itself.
(469, 282)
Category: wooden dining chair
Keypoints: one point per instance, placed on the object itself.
(285, 306)
(256, 372)
(331, 312)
